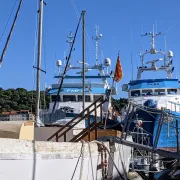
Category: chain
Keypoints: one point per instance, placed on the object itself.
(82, 162)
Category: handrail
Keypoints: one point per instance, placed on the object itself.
(79, 115)
(78, 137)
(79, 120)
(81, 133)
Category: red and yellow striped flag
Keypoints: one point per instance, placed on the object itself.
(118, 72)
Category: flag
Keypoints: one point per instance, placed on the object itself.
(118, 71)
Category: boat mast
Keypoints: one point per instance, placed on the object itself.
(37, 118)
(83, 55)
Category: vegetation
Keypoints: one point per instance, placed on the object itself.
(118, 104)
(20, 99)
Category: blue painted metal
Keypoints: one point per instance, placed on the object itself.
(93, 90)
(154, 83)
(167, 136)
(86, 77)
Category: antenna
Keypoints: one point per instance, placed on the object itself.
(142, 48)
(156, 27)
(152, 35)
(70, 39)
(96, 38)
(131, 56)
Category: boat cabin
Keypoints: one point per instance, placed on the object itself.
(157, 87)
(73, 92)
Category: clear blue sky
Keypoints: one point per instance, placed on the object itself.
(116, 20)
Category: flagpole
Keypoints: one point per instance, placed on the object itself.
(110, 96)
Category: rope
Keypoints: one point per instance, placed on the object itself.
(91, 160)
(82, 162)
(77, 162)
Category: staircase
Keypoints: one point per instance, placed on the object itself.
(92, 126)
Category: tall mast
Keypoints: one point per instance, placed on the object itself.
(83, 55)
(38, 121)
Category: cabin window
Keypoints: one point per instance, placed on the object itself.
(172, 91)
(53, 98)
(159, 92)
(97, 97)
(147, 92)
(67, 98)
(135, 93)
(87, 98)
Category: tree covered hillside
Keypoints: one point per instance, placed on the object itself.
(118, 104)
(20, 99)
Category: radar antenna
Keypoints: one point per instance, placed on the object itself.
(167, 58)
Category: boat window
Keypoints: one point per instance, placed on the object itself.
(67, 98)
(147, 92)
(159, 92)
(172, 91)
(97, 97)
(87, 98)
(53, 98)
(135, 93)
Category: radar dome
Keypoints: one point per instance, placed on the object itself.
(59, 63)
(170, 54)
(107, 62)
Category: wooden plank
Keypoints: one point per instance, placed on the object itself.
(103, 133)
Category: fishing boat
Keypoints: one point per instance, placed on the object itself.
(154, 105)
(70, 101)
(75, 159)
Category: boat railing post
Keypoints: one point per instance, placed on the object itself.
(88, 125)
(101, 113)
(159, 129)
(95, 107)
(65, 137)
(57, 137)
(125, 121)
(129, 122)
(177, 136)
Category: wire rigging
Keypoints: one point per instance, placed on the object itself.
(65, 69)
(10, 33)
(8, 20)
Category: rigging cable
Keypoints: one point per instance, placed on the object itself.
(65, 69)
(34, 61)
(10, 33)
(91, 47)
(8, 20)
